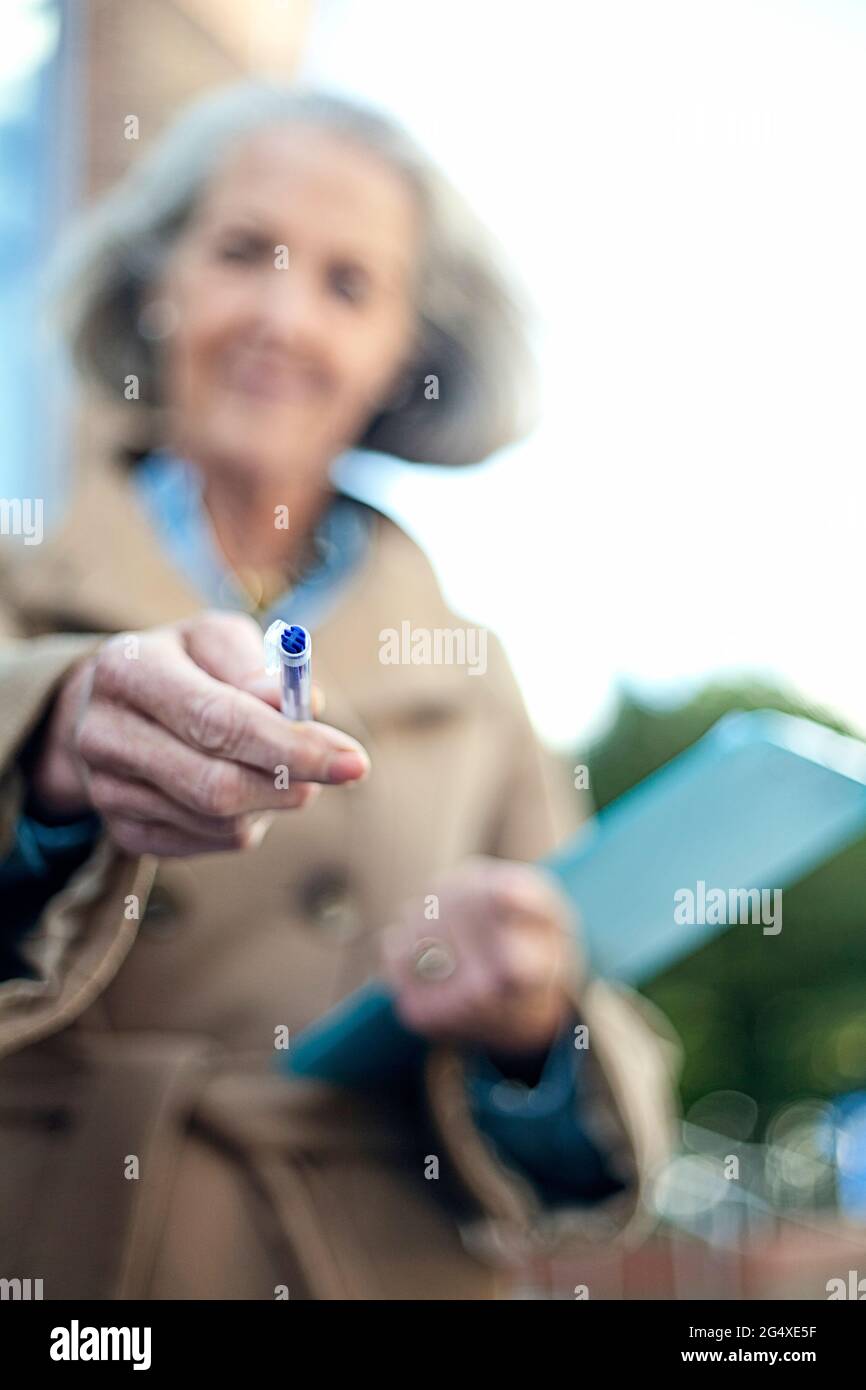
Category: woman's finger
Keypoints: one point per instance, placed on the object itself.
(151, 837)
(214, 718)
(116, 796)
(124, 744)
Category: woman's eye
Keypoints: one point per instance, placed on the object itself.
(349, 283)
(242, 249)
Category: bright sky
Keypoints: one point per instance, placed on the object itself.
(682, 185)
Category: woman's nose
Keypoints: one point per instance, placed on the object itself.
(290, 307)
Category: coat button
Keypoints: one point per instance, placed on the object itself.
(162, 912)
(328, 903)
(57, 1120)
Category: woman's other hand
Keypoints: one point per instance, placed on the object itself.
(490, 967)
(173, 736)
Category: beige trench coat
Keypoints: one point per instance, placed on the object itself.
(153, 1037)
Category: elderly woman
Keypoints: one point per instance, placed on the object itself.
(189, 878)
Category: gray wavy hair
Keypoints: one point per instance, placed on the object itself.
(471, 332)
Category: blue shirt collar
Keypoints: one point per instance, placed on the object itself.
(170, 490)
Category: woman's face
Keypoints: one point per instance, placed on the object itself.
(291, 304)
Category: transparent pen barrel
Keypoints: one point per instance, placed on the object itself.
(297, 688)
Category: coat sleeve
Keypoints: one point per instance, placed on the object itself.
(86, 929)
(631, 1057)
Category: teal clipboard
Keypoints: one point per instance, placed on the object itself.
(757, 803)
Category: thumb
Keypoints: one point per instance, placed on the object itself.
(229, 646)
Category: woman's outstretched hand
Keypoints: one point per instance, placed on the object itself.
(173, 736)
(484, 958)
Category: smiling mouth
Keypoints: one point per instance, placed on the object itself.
(276, 381)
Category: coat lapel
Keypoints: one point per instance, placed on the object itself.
(103, 570)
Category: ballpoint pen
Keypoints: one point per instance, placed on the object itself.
(288, 653)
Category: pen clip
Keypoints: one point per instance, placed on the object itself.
(272, 647)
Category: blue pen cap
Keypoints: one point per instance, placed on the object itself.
(295, 643)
